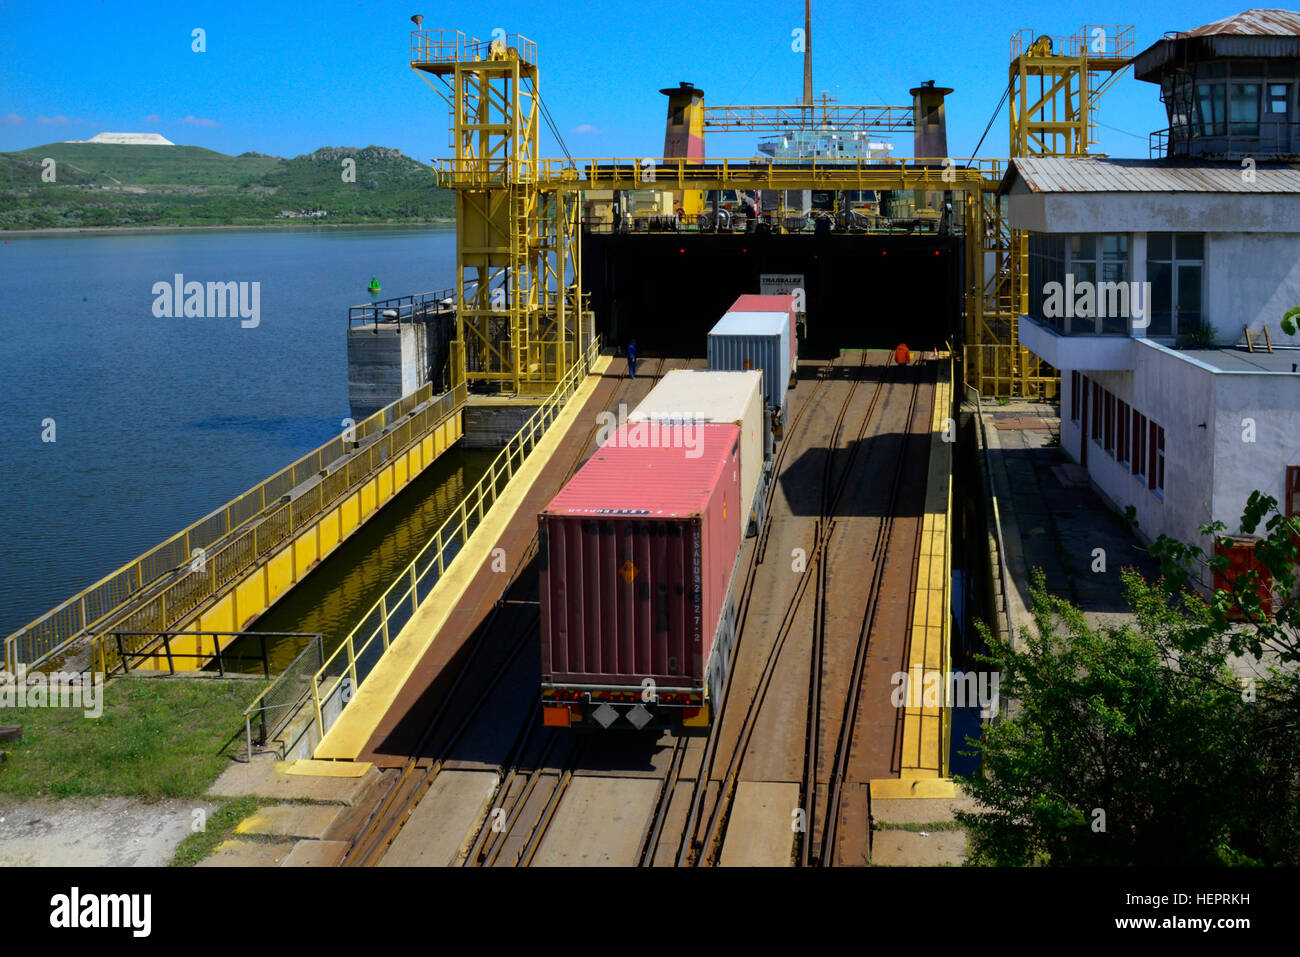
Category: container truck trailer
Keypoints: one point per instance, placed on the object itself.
(741, 341)
(686, 397)
(638, 556)
(776, 302)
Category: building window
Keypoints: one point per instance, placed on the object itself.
(1175, 269)
(1121, 431)
(1292, 497)
(1046, 265)
(1074, 396)
(1210, 112)
(1061, 269)
(1157, 479)
(1096, 412)
(1139, 444)
(1100, 258)
(1109, 401)
(1278, 102)
(1243, 109)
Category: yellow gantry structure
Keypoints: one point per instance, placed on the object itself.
(518, 255)
(1053, 86)
(1054, 83)
(518, 264)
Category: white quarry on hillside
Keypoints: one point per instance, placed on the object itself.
(128, 139)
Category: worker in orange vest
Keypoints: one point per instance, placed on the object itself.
(902, 355)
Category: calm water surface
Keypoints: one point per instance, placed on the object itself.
(158, 421)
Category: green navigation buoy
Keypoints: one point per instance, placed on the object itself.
(374, 285)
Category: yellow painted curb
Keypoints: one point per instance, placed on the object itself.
(925, 728)
(356, 725)
(324, 769)
(889, 789)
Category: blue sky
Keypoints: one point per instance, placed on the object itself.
(285, 78)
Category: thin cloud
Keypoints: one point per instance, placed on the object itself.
(199, 121)
(151, 118)
(584, 128)
(11, 119)
(59, 120)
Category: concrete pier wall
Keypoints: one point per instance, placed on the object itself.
(491, 426)
(390, 360)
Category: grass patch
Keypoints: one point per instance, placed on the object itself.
(917, 828)
(157, 738)
(220, 826)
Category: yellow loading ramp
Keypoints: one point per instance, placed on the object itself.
(347, 737)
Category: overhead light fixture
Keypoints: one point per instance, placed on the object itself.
(417, 20)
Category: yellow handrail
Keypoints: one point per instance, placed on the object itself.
(106, 600)
(353, 657)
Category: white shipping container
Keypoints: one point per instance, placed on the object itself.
(754, 340)
(685, 396)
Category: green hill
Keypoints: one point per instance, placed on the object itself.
(104, 184)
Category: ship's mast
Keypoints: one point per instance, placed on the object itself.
(807, 53)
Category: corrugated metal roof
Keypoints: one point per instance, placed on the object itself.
(1059, 174)
(1251, 23)
(1258, 33)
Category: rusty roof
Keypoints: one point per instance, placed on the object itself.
(1253, 34)
(1061, 174)
(1252, 23)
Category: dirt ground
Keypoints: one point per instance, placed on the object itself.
(94, 832)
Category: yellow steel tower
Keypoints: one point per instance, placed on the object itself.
(518, 268)
(1053, 86)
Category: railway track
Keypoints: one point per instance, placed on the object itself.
(420, 771)
(534, 778)
(709, 842)
(823, 854)
(818, 791)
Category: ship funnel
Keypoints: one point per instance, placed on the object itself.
(684, 133)
(930, 127)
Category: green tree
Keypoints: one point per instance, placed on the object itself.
(1139, 744)
(1113, 756)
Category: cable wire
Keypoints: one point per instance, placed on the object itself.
(996, 110)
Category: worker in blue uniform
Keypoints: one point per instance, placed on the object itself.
(631, 359)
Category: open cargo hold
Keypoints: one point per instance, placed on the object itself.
(782, 302)
(754, 340)
(686, 397)
(636, 557)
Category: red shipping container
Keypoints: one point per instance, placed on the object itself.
(752, 302)
(636, 556)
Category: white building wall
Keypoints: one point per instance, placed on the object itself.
(1251, 278)
(1178, 397)
(1270, 402)
(1209, 472)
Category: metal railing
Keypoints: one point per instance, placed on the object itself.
(153, 592)
(1007, 369)
(453, 46)
(418, 307)
(1269, 142)
(272, 710)
(353, 660)
(823, 114)
(1096, 40)
(220, 655)
(674, 173)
